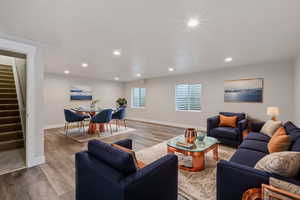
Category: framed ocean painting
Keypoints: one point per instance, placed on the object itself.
(81, 93)
(244, 90)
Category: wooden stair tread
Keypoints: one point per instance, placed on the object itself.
(9, 124)
(9, 117)
(11, 144)
(9, 110)
(11, 135)
(10, 141)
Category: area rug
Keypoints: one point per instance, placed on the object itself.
(81, 136)
(191, 185)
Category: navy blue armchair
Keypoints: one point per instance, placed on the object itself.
(118, 116)
(105, 172)
(227, 135)
(103, 117)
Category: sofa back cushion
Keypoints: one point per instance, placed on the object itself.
(116, 158)
(240, 116)
(294, 132)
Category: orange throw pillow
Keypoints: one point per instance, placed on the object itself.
(229, 121)
(138, 164)
(280, 141)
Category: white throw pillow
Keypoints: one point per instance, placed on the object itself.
(270, 127)
(284, 163)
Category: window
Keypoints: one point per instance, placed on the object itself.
(188, 97)
(138, 97)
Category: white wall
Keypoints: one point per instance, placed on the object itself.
(56, 95)
(160, 103)
(297, 91)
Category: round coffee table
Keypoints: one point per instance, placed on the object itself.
(197, 153)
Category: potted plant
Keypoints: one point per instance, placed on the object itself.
(93, 103)
(121, 102)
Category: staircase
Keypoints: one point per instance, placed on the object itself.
(11, 136)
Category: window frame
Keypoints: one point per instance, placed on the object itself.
(132, 97)
(177, 110)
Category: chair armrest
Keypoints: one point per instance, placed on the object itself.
(127, 143)
(256, 126)
(212, 123)
(234, 179)
(158, 180)
(242, 125)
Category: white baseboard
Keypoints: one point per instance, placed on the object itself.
(36, 161)
(54, 126)
(175, 124)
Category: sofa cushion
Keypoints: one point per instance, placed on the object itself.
(240, 116)
(292, 130)
(296, 145)
(116, 158)
(257, 136)
(225, 132)
(247, 157)
(255, 145)
(270, 127)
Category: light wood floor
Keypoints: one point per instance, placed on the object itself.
(55, 180)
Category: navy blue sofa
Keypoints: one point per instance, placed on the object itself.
(227, 135)
(105, 172)
(234, 177)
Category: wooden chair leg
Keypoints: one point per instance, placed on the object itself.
(82, 126)
(125, 124)
(116, 125)
(65, 127)
(110, 128)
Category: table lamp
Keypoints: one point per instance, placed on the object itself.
(273, 112)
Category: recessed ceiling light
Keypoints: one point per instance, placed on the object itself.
(193, 22)
(171, 69)
(117, 52)
(84, 65)
(228, 59)
(116, 78)
(138, 75)
(66, 71)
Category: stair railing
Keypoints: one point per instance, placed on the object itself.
(20, 94)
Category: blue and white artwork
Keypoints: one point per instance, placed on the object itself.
(81, 93)
(244, 90)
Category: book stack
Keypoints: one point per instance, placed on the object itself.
(185, 145)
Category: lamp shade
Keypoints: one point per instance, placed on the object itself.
(273, 111)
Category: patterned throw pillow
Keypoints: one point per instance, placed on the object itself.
(270, 127)
(285, 163)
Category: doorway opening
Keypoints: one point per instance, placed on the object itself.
(12, 111)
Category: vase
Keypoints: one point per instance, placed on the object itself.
(190, 135)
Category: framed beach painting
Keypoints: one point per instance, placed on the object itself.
(244, 90)
(81, 93)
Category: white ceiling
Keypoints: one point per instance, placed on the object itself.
(152, 34)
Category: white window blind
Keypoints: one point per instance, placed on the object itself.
(188, 97)
(138, 97)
